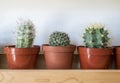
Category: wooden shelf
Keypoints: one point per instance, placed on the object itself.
(59, 76)
(42, 75)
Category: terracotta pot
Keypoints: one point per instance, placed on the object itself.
(117, 56)
(94, 58)
(58, 57)
(21, 58)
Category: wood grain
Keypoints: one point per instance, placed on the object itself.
(59, 76)
(42, 75)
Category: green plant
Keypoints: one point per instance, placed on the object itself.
(25, 34)
(59, 39)
(96, 36)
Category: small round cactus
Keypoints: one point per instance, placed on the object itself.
(96, 36)
(25, 34)
(59, 39)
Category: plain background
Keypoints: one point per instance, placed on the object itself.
(70, 16)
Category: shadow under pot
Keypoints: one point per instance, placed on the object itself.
(117, 56)
(58, 57)
(21, 58)
(95, 58)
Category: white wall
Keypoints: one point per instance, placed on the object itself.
(70, 16)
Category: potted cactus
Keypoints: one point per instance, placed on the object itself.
(95, 54)
(59, 53)
(23, 54)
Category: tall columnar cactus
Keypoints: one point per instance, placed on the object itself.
(25, 34)
(96, 36)
(59, 39)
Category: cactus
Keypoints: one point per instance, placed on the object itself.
(96, 36)
(25, 34)
(59, 39)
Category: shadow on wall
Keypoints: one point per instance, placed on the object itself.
(1, 49)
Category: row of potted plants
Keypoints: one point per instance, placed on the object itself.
(96, 54)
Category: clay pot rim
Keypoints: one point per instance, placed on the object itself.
(47, 45)
(116, 46)
(94, 48)
(48, 48)
(13, 46)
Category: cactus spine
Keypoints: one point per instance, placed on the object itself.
(59, 39)
(25, 34)
(96, 36)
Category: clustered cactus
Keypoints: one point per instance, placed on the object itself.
(96, 36)
(25, 34)
(59, 39)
